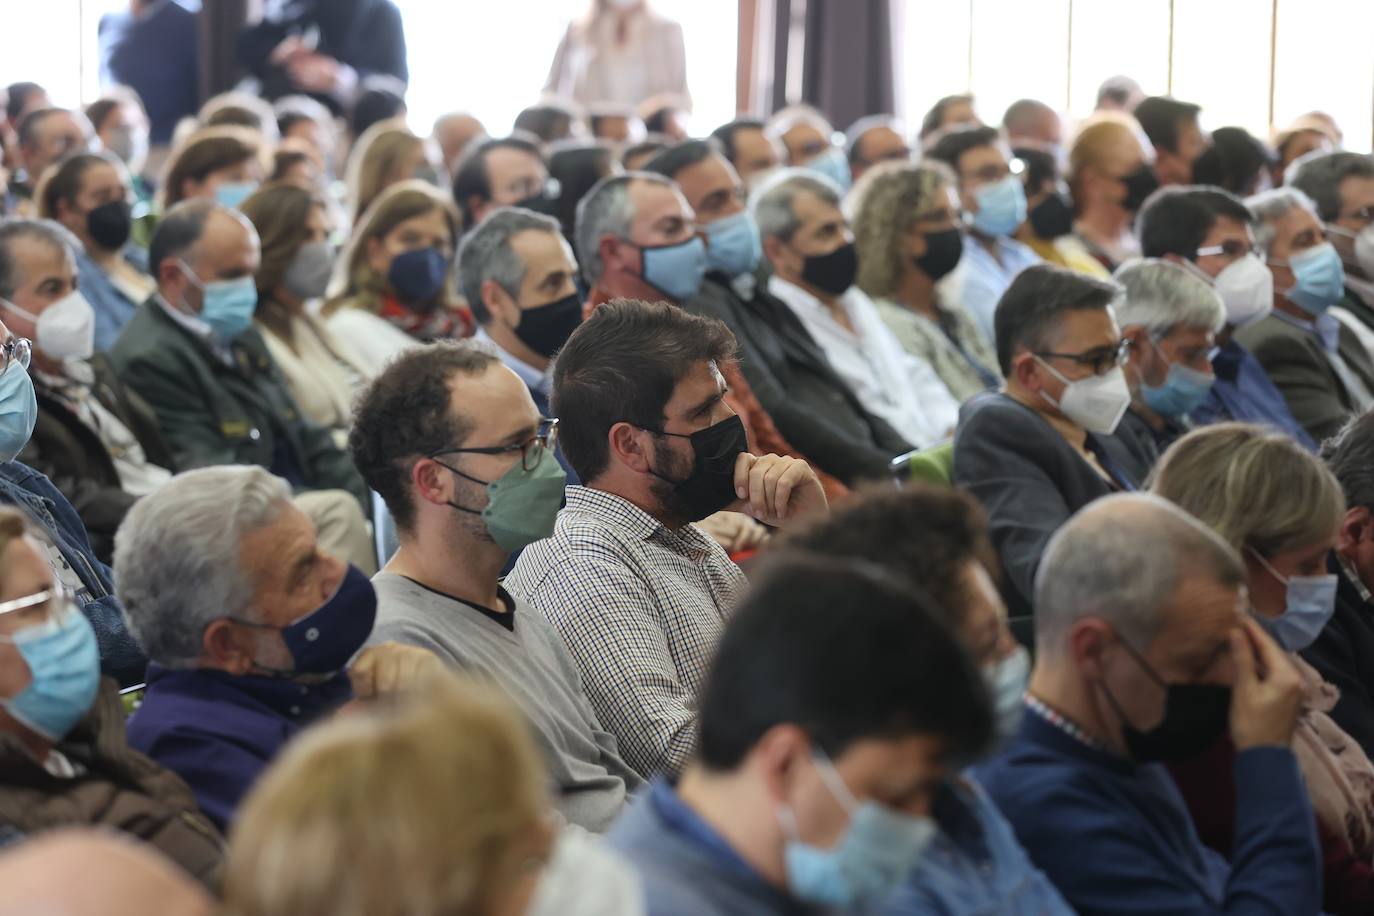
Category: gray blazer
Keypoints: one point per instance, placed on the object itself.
(810, 404)
(1030, 480)
(1299, 367)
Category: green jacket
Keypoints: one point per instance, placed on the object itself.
(214, 414)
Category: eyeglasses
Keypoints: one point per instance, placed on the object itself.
(1100, 360)
(1364, 215)
(31, 609)
(1231, 249)
(531, 451)
(16, 349)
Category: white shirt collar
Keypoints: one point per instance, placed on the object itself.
(198, 328)
(532, 377)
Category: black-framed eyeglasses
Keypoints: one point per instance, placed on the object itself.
(531, 450)
(1100, 360)
(1364, 215)
(1231, 249)
(16, 349)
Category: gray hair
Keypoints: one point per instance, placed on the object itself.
(45, 231)
(486, 254)
(1121, 559)
(606, 211)
(176, 556)
(1320, 178)
(1350, 457)
(1274, 205)
(1162, 296)
(773, 202)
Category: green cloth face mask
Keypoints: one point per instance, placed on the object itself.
(521, 505)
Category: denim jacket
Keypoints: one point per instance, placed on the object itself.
(975, 866)
(32, 493)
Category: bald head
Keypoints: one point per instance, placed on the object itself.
(83, 872)
(1123, 559)
(198, 242)
(453, 132)
(1032, 122)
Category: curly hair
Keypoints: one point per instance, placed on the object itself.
(889, 199)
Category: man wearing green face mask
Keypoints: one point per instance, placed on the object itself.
(452, 441)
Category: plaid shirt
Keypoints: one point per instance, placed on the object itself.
(641, 608)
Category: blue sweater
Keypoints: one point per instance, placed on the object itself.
(1116, 838)
(686, 867)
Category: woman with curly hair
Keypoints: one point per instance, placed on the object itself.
(906, 230)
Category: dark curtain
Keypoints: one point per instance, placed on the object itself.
(847, 59)
(220, 22)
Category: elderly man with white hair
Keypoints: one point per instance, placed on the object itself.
(251, 630)
(1146, 653)
(1319, 365)
(1171, 317)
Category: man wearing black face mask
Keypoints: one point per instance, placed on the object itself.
(502, 172)
(252, 631)
(637, 591)
(518, 276)
(1145, 654)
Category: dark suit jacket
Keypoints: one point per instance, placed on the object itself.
(76, 461)
(1030, 480)
(810, 404)
(1344, 655)
(1299, 367)
(212, 413)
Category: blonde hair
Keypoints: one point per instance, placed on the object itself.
(373, 159)
(419, 809)
(356, 284)
(1095, 142)
(889, 199)
(1255, 487)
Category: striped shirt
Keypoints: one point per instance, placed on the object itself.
(641, 608)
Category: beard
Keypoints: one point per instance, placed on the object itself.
(670, 469)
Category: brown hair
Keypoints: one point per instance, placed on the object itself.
(363, 286)
(279, 213)
(372, 159)
(205, 151)
(62, 182)
(443, 786)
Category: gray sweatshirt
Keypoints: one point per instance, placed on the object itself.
(532, 666)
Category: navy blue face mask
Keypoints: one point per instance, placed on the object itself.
(417, 276)
(323, 641)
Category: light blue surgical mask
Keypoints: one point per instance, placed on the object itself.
(1001, 207)
(876, 853)
(18, 410)
(1006, 680)
(1183, 390)
(834, 165)
(227, 305)
(1309, 604)
(675, 270)
(234, 193)
(1319, 278)
(734, 247)
(64, 664)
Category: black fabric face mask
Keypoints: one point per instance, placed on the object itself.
(1140, 184)
(1195, 718)
(111, 224)
(545, 329)
(1052, 217)
(943, 251)
(711, 485)
(832, 273)
(543, 202)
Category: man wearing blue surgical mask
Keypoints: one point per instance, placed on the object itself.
(1171, 317)
(789, 373)
(993, 199)
(192, 353)
(253, 631)
(825, 742)
(1318, 363)
(810, 143)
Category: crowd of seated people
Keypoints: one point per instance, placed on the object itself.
(769, 519)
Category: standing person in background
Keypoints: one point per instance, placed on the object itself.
(397, 275)
(325, 48)
(152, 48)
(297, 258)
(88, 194)
(620, 51)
